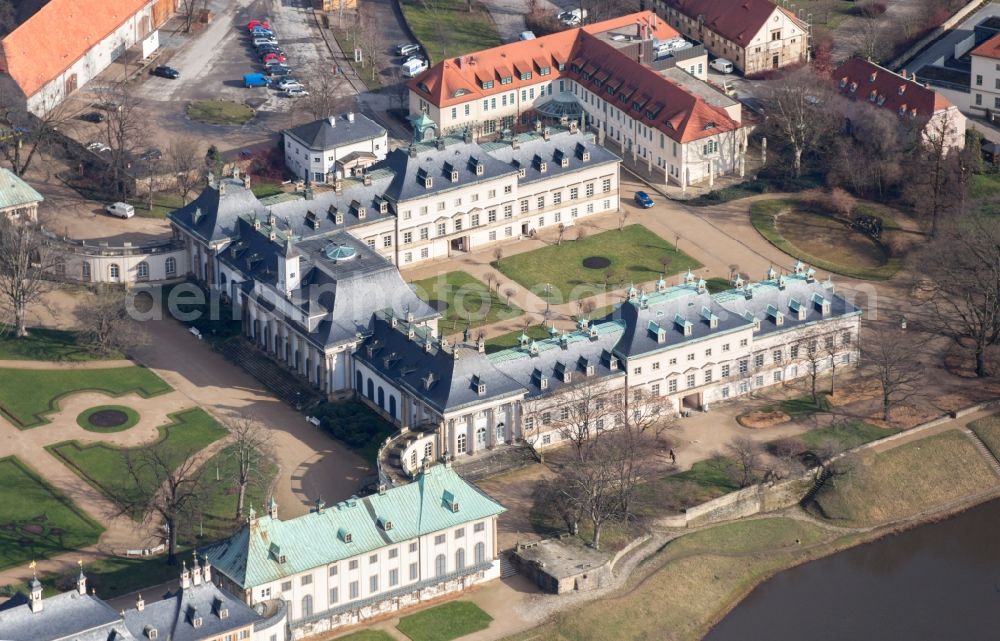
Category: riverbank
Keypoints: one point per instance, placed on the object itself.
(698, 576)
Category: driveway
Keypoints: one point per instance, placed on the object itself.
(944, 48)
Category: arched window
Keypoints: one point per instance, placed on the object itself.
(170, 266)
(460, 445)
(381, 397)
(481, 436)
(307, 606)
(85, 273)
(359, 381)
(392, 406)
(501, 433)
(459, 559)
(440, 565)
(142, 271)
(114, 272)
(480, 552)
(371, 390)
(428, 450)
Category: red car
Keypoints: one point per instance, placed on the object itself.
(257, 23)
(280, 57)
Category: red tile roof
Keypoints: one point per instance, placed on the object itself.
(735, 20)
(989, 49)
(57, 36)
(588, 60)
(864, 80)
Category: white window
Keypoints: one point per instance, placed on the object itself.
(655, 389)
(393, 577)
(414, 572)
(334, 595)
(353, 587)
(725, 371)
(690, 380)
(708, 376)
(656, 366)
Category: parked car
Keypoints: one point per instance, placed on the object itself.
(93, 116)
(407, 49)
(269, 49)
(291, 84)
(255, 80)
(414, 57)
(98, 147)
(273, 62)
(164, 71)
(120, 209)
(573, 18)
(643, 200)
(294, 92)
(278, 70)
(270, 55)
(414, 68)
(721, 65)
(257, 23)
(526, 35)
(261, 32)
(151, 154)
(264, 41)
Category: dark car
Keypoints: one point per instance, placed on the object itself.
(164, 71)
(151, 154)
(93, 116)
(278, 70)
(643, 200)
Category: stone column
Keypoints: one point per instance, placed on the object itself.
(491, 427)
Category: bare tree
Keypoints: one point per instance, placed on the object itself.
(509, 292)
(562, 232)
(581, 232)
(156, 485)
(935, 172)
(106, 325)
(125, 130)
(187, 10)
(579, 409)
(369, 38)
(891, 354)
(665, 261)
(747, 455)
(642, 411)
(872, 39)
(812, 354)
(559, 498)
(24, 258)
(497, 255)
(622, 217)
(251, 454)
(186, 163)
(490, 277)
(964, 265)
(24, 133)
(327, 96)
(798, 113)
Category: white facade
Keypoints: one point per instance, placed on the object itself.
(984, 97)
(320, 164)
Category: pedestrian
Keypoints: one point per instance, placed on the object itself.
(673, 458)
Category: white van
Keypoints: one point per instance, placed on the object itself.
(526, 35)
(120, 210)
(721, 65)
(573, 18)
(413, 68)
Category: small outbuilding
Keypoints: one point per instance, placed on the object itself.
(560, 566)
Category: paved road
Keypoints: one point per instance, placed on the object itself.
(938, 52)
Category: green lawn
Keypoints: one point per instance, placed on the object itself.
(163, 204)
(839, 260)
(445, 622)
(357, 425)
(83, 420)
(103, 465)
(512, 339)
(28, 394)
(846, 435)
(42, 344)
(218, 503)
(897, 483)
(717, 284)
(984, 194)
(469, 301)
(447, 29)
(988, 431)
(802, 406)
(36, 521)
(635, 254)
(219, 112)
(263, 189)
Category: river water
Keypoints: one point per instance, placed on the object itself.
(936, 582)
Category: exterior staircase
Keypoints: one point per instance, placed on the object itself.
(502, 459)
(985, 451)
(506, 567)
(284, 383)
(821, 479)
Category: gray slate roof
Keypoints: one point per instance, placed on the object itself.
(337, 296)
(213, 215)
(533, 149)
(454, 382)
(411, 165)
(336, 131)
(69, 615)
(173, 616)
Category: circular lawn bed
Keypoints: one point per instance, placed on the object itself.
(596, 262)
(108, 418)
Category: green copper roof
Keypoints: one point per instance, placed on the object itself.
(14, 191)
(250, 557)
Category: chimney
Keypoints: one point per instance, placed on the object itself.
(140, 604)
(81, 581)
(366, 179)
(246, 182)
(332, 120)
(461, 62)
(185, 576)
(206, 570)
(195, 569)
(272, 508)
(35, 600)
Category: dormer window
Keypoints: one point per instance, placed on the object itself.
(590, 370)
(480, 169)
(338, 218)
(428, 182)
(543, 167)
(481, 388)
(385, 524)
(383, 207)
(454, 176)
(459, 93)
(544, 71)
(586, 156)
(526, 75)
(450, 501)
(854, 87)
(151, 632)
(344, 535)
(520, 172)
(224, 613)
(880, 101)
(197, 622)
(487, 84)
(362, 212)
(506, 80)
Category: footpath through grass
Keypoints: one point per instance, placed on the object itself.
(27, 395)
(448, 29)
(103, 466)
(43, 344)
(469, 300)
(688, 582)
(37, 521)
(763, 216)
(883, 487)
(633, 255)
(445, 622)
